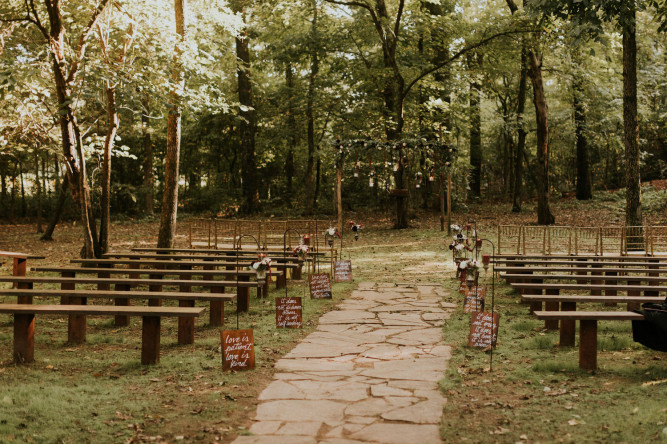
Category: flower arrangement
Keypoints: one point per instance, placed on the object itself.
(330, 234)
(301, 251)
(356, 228)
(261, 266)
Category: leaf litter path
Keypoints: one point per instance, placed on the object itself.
(369, 373)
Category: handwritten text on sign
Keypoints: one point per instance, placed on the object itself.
(289, 313)
(343, 271)
(238, 350)
(320, 286)
(483, 329)
(474, 300)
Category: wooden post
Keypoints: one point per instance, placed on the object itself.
(76, 331)
(186, 325)
(217, 314)
(281, 279)
(243, 295)
(588, 344)
(150, 340)
(567, 327)
(610, 292)
(536, 305)
(442, 202)
(634, 305)
(552, 324)
(449, 203)
(339, 191)
(24, 338)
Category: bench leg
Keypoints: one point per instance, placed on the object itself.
(567, 327)
(150, 340)
(535, 305)
(588, 344)
(634, 293)
(186, 326)
(296, 272)
(122, 320)
(552, 306)
(243, 296)
(610, 292)
(265, 290)
(281, 280)
(76, 332)
(24, 338)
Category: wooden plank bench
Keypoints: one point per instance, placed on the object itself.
(616, 257)
(227, 251)
(121, 284)
(24, 324)
(232, 269)
(588, 329)
(229, 262)
(584, 268)
(569, 303)
(77, 324)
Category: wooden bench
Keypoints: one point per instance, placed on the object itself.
(228, 251)
(232, 269)
(229, 262)
(77, 324)
(569, 303)
(575, 257)
(588, 329)
(24, 324)
(155, 286)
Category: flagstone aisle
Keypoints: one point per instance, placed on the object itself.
(368, 373)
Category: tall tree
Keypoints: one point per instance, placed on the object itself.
(148, 154)
(169, 211)
(544, 215)
(65, 64)
(475, 110)
(519, 152)
(584, 184)
(314, 50)
(247, 126)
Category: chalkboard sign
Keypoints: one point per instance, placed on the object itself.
(289, 313)
(483, 329)
(320, 286)
(474, 300)
(238, 350)
(343, 271)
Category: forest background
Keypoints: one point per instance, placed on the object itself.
(233, 109)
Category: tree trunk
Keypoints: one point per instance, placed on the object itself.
(475, 127)
(318, 179)
(521, 142)
(292, 130)
(584, 186)
(57, 211)
(148, 156)
(544, 216)
(168, 215)
(24, 208)
(633, 207)
(310, 109)
(38, 189)
(12, 201)
(247, 127)
(105, 216)
(70, 134)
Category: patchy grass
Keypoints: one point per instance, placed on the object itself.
(536, 391)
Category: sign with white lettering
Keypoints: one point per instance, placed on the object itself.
(289, 313)
(238, 350)
(474, 300)
(483, 329)
(320, 286)
(343, 271)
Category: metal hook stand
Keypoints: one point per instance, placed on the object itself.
(493, 294)
(285, 252)
(237, 247)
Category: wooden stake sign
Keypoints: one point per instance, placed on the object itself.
(343, 271)
(474, 300)
(320, 286)
(483, 329)
(289, 313)
(238, 350)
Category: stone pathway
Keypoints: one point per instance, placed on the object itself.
(369, 373)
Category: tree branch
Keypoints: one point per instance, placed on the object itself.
(81, 46)
(513, 7)
(399, 14)
(460, 53)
